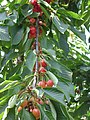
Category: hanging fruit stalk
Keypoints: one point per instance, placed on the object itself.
(36, 41)
(39, 70)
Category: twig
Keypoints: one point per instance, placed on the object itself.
(36, 41)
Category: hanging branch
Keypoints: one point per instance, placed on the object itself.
(36, 43)
(37, 34)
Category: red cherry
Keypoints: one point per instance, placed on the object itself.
(39, 101)
(32, 33)
(32, 20)
(40, 22)
(33, 2)
(31, 110)
(42, 70)
(36, 113)
(32, 29)
(43, 63)
(41, 13)
(37, 8)
(50, 83)
(40, 30)
(47, 102)
(24, 104)
(48, 1)
(19, 108)
(42, 84)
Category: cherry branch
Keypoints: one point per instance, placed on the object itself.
(37, 35)
(36, 66)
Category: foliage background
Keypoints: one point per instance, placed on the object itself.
(64, 48)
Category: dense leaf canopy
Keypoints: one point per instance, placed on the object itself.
(61, 33)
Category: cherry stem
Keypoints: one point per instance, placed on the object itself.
(37, 34)
(36, 41)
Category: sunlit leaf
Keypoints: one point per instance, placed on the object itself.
(62, 27)
(55, 95)
(4, 34)
(3, 16)
(30, 61)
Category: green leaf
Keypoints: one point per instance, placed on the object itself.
(55, 95)
(34, 15)
(78, 33)
(12, 101)
(2, 108)
(11, 114)
(69, 13)
(30, 61)
(25, 115)
(43, 113)
(23, 1)
(46, 43)
(26, 72)
(49, 114)
(4, 83)
(26, 10)
(9, 56)
(1, 1)
(27, 45)
(60, 115)
(5, 113)
(65, 113)
(63, 43)
(82, 109)
(45, 11)
(8, 86)
(15, 77)
(4, 34)
(62, 27)
(26, 35)
(3, 16)
(86, 15)
(49, 52)
(52, 77)
(64, 72)
(17, 36)
(53, 111)
(84, 68)
(1, 115)
(3, 102)
(52, 53)
(45, 3)
(67, 89)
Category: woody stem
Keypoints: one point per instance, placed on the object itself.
(36, 43)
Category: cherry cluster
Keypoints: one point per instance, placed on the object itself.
(32, 32)
(42, 64)
(44, 84)
(42, 70)
(36, 8)
(31, 102)
(31, 105)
